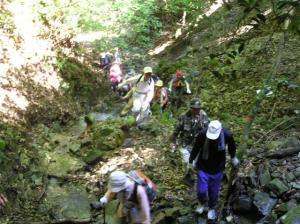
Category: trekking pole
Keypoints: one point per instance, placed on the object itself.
(104, 215)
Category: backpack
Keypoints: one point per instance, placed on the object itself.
(141, 179)
(178, 82)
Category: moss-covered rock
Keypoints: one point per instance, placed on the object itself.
(68, 204)
(91, 156)
(61, 164)
(292, 217)
(107, 137)
(278, 186)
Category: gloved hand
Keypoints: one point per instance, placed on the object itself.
(170, 90)
(99, 204)
(173, 147)
(103, 201)
(235, 161)
(188, 91)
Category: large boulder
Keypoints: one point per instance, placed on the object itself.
(62, 164)
(107, 137)
(264, 203)
(292, 217)
(67, 204)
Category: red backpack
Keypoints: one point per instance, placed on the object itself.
(141, 179)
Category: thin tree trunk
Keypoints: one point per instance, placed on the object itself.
(242, 152)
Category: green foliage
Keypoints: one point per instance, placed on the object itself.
(127, 121)
(286, 13)
(228, 64)
(79, 80)
(166, 69)
(173, 9)
(2, 147)
(144, 25)
(6, 20)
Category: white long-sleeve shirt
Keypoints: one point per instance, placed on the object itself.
(142, 87)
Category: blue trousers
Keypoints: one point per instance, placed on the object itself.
(208, 188)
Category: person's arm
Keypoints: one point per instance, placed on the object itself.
(108, 197)
(196, 148)
(144, 205)
(163, 97)
(130, 80)
(171, 84)
(231, 143)
(205, 119)
(188, 90)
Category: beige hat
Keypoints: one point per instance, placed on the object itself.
(214, 130)
(159, 83)
(118, 181)
(147, 70)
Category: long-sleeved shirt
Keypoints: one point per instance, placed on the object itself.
(216, 157)
(115, 73)
(187, 127)
(161, 96)
(139, 212)
(141, 86)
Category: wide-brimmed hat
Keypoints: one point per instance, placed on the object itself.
(147, 70)
(159, 83)
(214, 130)
(195, 103)
(118, 181)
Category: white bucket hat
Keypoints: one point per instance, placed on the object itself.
(214, 130)
(118, 181)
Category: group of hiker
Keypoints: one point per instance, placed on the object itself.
(202, 145)
(144, 89)
(147, 89)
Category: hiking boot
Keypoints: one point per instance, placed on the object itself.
(212, 214)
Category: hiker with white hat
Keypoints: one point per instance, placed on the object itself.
(143, 92)
(208, 156)
(134, 207)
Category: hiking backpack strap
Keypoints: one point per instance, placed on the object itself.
(139, 79)
(134, 197)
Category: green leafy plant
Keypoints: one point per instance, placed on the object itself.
(2, 147)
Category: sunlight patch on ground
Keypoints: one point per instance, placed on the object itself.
(33, 49)
(32, 59)
(10, 98)
(126, 158)
(213, 8)
(242, 30)
(89, 37)
(161, 48)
